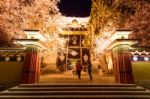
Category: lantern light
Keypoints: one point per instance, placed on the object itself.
(146, 58)
(135, 58)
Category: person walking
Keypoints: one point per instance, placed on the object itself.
(79, 68)
(89, 66)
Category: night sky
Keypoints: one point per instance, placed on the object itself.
(75, 8)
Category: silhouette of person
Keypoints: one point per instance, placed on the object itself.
(89, 66)
(79, 68)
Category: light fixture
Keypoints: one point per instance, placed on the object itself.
(7, 59)
(135, 58)
(18, 59)
(146, 58)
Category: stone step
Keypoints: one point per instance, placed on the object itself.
(76, 97)
(77, 85)
(38, 93)
(76, 89)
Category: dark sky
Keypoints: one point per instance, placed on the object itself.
(75, 8)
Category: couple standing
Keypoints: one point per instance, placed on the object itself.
(79, 68)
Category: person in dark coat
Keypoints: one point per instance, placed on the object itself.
(79, 68)
(89, 67)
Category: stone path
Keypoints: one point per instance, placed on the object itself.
(69, 77)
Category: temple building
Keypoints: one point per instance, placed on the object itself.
(121, 58)
(68, 49)
(74, 32)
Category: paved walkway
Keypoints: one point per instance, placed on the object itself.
(69, 77)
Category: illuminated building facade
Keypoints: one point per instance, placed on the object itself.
(74, 33)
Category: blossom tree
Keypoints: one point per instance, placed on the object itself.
(104, 15)
(108, 16)
(139, 22)
(10, 19)
(17, 15)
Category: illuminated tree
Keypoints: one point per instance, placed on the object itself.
(103, 15)
(139, 22)
(10, 19)
(103, 22)
(110, 15)
(17, 15)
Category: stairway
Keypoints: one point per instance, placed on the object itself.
(76, 91)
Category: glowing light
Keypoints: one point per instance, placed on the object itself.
(30, 42)
(79, 19)
(31, 34)
(135, 58)
(55, 43)
(18, 58)
(146, 58)
(7, 58)
(106, 38)
(102, 41)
